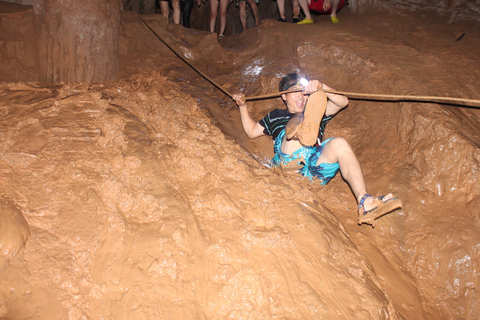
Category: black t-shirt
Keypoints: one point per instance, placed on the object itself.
(275, 121)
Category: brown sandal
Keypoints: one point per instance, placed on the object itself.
(383, 207)
(307, 130)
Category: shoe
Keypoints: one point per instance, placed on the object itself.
(257, 1)
(305, 21)
(334, 19)
(220, 36)
(383, 207)
(293, 126)
(295, 20)
(281, 20)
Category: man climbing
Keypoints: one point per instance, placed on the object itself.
(326, 158)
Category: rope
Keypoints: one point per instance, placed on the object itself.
(353, 95)
(184, 60)
(385, 97)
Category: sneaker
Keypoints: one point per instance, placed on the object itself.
(334, 19)
(220, 36)
(296, 20)
(305, 21)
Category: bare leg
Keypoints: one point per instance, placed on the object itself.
(213, 14)
(254, 8)
(176, 11)
(165, 8)
(296, 9)
(242, 7)
(339, 150)
(223, 15)
(335, 4)
(281, 8)
(304, 5)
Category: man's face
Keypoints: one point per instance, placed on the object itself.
(295, 101)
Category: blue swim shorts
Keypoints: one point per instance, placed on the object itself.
(304, 160)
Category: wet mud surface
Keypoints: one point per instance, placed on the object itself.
(143, 198)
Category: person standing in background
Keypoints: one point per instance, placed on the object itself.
(281, 10)
(308, 17)
(332, 4)
(214, 5)
(242, 6)
(187, 7)
(165, 9)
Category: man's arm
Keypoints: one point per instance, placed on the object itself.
(252, 128)
(335, 103)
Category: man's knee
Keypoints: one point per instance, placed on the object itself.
(338, 143)
(336, 149)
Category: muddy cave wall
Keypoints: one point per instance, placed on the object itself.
(63, 41)
(59, 41)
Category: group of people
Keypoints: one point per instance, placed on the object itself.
(324, 6)
(182, 10)
(319, 160)
(215, 5)
(218, 9)
(185, 7)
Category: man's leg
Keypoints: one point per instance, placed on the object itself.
(254, 9)
(223, 15)
(304, 5)
(370, 208)
(165, 8)
(333, 14)
(281, 9)
(176, 11)
(339, 150)
(186, 12)
(296, 11)
(242, 7)
(213, 14)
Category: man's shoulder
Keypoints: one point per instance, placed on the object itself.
(278, 114)
(274, 122)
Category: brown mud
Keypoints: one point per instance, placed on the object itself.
(143, 198)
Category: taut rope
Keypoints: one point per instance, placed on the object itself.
(353, 95)
(385, 97)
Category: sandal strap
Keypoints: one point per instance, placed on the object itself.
(362, 202)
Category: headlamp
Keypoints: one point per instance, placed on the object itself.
(303, 82)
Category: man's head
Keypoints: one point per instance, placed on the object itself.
(295, 101)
